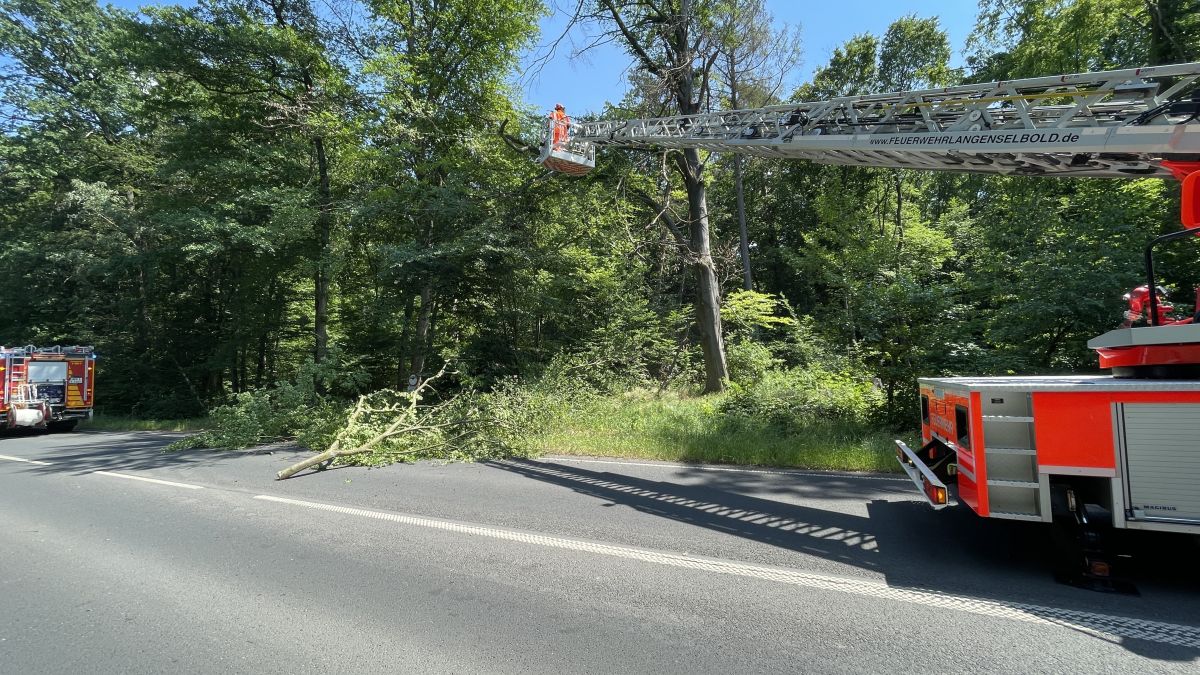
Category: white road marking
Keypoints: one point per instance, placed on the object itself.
(27, 461)
(1103, 625)
(148, 480)
(706, 467)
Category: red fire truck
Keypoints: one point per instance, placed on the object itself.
(1092, 453)
(48, 387)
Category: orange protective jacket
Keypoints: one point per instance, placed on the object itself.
(562, 125)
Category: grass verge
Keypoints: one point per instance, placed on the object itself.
(121, 423)
(680, 429)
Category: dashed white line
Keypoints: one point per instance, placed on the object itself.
(1104, 625)
(148, 480)
(27, 461)
(707, 467)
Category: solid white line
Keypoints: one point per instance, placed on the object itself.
(27, 461)
(148, 480)
(1104, 625)
(706, 467)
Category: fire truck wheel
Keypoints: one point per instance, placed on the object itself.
(63, 426)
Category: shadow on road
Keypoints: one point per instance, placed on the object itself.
(797, 484)
(85, 452)
(951, 551)
(901, 530)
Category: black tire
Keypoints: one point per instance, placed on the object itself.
(63, 426)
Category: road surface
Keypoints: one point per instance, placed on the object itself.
(116, 557)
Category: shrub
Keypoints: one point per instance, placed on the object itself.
(744, 312)
(469, 425)
(292, 409)
(749, 361)
(793, 399)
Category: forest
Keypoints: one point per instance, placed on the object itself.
(286, 215)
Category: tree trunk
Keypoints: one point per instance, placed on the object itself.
(235, 383)
(260, 365)
(1165, 46)
(708, 288)
(899, 218)
(324, 232)
(277, 330)
(431, 332)
(401, 370)
(743, 232)
(242, 365)
(422, 334)
(677, 69)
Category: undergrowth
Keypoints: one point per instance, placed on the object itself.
(676, 427)
(102, 422)
(791, 403)
(469, 424)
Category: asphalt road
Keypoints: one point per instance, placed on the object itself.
(557, 565)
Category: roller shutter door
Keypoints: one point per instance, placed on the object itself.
(1162, 460)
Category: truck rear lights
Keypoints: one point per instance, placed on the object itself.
(936, 493)
(921, 475)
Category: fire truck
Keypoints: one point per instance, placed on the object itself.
(1092, 453)
(47, 387)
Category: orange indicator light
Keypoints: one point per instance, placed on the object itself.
(936, 494)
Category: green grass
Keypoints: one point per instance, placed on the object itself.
(669, 427)
(121, 423)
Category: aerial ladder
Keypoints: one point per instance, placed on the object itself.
(1092, 453)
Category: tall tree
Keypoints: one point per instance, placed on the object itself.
(276, 56)
(1174, 28)
(675, 43)
(441, 67)
(1028, 38)
(755, 59)
(914, 54)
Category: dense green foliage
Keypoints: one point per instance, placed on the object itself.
(675, 428)
(243, 193)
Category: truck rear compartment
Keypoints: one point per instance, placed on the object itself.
(1134, 444)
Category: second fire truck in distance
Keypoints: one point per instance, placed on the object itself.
(46, 388)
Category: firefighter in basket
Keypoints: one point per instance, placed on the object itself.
(561, 127)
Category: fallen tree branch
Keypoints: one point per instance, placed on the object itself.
(408, 421)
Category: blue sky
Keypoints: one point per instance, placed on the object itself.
(583, 83)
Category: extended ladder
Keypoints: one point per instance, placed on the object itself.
(1121, 123)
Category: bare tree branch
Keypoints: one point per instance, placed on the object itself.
(663, 214)
(515, 142)
(638, 49)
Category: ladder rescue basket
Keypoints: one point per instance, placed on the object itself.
(560, 152)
